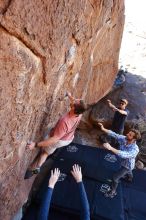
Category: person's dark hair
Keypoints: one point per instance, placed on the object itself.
(121, 72)
(80, 107)
(125, 101)
(137, 134)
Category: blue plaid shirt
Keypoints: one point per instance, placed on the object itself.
(127, 152)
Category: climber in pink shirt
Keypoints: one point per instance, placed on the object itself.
(61, 135)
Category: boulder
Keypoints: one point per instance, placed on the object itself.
(47, 48)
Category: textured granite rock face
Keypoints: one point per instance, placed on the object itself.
(46, 48)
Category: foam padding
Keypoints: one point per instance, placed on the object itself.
(97, 167)
(139, 181)
(134, 204)
(97, 164)
(134, 196)
(106, 207)
(66, 197)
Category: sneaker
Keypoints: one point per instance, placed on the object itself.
(128, 178)
(110, 194)
(105, 188)
(110, 180)
(30, 173)
(36, 170)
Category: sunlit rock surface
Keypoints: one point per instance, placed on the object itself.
(46, 48)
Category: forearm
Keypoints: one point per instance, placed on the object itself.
(125, 154)
(105, 130)
(50, 141)
(114, 108)
(115, 151)
(85, 210)
(45, 205)
(122, 111)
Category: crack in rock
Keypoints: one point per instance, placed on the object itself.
(33, 50)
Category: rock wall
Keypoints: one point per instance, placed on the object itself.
(46, 48)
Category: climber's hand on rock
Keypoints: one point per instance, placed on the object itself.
(68, 94)
(31, 145)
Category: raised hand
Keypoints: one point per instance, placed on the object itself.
(77, 173)
(68, 94)
(101, 126)
(54, 177)
(107, 146)
(109, 101)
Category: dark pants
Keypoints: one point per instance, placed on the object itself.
(118, 131)
(123, 172)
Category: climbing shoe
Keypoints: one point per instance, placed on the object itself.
(110, 194)
(30, 173)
